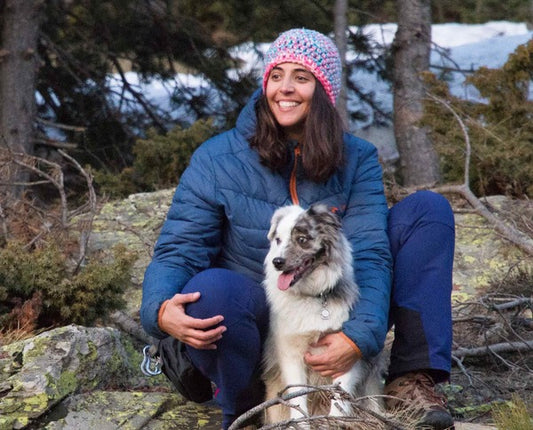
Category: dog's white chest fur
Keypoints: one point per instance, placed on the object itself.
(310, 288)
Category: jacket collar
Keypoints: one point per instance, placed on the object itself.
(247, 119)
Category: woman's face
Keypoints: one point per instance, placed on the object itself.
(289, 90)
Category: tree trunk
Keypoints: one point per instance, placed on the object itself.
(412, 45)
(341, 23)
(18, 72)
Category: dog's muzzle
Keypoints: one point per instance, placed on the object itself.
(278, 262)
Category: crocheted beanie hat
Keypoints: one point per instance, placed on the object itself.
(316, 52)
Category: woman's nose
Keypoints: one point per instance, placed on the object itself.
(287, 85)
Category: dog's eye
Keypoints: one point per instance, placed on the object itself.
(278, 240)
(302, 240)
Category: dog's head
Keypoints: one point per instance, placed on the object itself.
(302, 242)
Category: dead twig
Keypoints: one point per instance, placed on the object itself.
(85, 233)
(368, 419)
(56, 178)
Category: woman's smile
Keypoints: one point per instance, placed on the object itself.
(289, 93)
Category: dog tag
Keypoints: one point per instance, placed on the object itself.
(324, 314)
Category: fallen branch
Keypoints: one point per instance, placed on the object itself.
(512, 234)
(132, 327)
(495, 348)
(515, 303)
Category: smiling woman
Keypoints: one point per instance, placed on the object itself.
(301, 83)
(289, 93)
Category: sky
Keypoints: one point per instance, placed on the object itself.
(468, 46)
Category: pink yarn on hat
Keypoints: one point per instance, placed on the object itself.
(313, 50)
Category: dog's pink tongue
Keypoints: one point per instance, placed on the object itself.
(284, 281)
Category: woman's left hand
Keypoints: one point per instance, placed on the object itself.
(336, 359)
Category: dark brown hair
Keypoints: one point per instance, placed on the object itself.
(322, 145)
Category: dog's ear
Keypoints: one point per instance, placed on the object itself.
(274, 221)
(273, 226)
(323, 215)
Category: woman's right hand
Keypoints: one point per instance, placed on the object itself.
(192, 331)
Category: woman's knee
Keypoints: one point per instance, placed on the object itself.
(422, 206)
(222, 291)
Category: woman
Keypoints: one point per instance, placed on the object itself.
(203, 286)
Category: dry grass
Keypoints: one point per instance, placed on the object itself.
(512, 415)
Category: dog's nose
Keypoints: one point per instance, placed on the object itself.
(278, 262)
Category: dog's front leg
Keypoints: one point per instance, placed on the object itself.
(342, 406)
(294, 374)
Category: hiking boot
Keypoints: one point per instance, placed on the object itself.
(416, 390)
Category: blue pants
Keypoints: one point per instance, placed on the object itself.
(421, 232)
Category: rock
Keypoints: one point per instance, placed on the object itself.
(134, 222)
(472, 426)
(40, 372)
(481, 254)
(131, 411)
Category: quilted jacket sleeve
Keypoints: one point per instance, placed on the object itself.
(189, 240)
(365, 224)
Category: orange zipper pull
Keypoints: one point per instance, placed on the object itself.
(292, 185)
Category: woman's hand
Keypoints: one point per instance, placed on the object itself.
(336, 359)
(198, 333)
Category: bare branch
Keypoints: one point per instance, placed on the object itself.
(84, 236)
(515, 303)
(61, 126)
(465, 134)
(55, 143)
(510, 233)
(494, 348)
(138, 96)
(56, 178)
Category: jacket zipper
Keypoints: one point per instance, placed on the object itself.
(292, 185)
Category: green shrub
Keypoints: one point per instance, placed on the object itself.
(41, 277)
(500, 130)
(159, 160)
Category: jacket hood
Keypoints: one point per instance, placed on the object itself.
(247, 119)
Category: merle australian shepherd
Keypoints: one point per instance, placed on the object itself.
(310, 289)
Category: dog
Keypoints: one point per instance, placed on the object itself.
(310, 288)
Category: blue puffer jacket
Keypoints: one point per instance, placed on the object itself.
(220, 216)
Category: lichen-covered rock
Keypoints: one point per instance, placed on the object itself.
(132, 411)
(38, 373)
(134, 222)
(481, 254)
